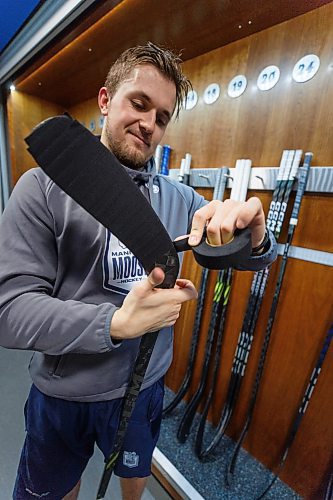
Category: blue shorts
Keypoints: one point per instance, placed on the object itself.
(61, 436)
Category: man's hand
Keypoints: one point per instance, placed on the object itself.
(222, 218)
(148, 309)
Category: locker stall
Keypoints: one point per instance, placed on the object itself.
(220, 40)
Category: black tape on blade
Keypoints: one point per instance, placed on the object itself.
(89, 173)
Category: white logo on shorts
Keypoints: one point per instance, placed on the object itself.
(130, 459)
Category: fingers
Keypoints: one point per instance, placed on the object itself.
(155, 278)
(223, 223)
(146, 286)
(219, 219)
(253, 216)
(249, 212)
(183, 291)
(188, 287)
(148, 309)
(222, 218)
(181, 237)
(199, 221)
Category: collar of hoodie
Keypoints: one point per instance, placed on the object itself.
(143, 177)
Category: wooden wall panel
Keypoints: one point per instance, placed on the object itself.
(259, 125)
(193, 26)
(24, 113)
(303, 317)
(86, 112)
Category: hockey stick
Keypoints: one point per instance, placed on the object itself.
(302, 181)
(302, 408)
(220, 184)
(242, 166)
(288, 167)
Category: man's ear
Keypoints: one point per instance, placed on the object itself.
(103, 100)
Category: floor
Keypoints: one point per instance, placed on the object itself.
(14, 387)
(208, 478)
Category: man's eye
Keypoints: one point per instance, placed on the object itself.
(162, 122)
(137, 104)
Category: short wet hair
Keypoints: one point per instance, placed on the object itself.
(165, 60)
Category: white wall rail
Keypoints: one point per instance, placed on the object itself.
(261, 178)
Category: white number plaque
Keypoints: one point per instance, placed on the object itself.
(211, 93)
(268, 78)
(191, 100)
(237, 86)
(306, 68)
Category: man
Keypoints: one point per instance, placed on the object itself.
(66, 291)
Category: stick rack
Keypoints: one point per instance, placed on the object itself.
(264, 179)
(261, 179)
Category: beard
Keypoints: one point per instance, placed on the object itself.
(127, 155)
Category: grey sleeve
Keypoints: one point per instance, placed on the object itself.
(30, 317)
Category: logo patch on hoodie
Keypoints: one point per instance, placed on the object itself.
(121, 269)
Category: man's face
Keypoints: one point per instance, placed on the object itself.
(137, 115)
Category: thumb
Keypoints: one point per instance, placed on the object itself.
(155, 278)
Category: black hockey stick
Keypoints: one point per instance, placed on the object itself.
(302, 408)
(88, 172)
(288, 168)
(216, 363)
(223, 281)
(190, 411)
(220, 184)
(302, 181)
(329, 488)
(232, 391)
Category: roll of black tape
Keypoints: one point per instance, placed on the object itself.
(231, 254)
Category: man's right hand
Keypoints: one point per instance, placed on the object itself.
(148, 309)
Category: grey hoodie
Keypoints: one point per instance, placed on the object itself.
(60, 284)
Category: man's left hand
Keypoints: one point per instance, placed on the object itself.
(222, 218)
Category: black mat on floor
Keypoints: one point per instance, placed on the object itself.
(251, 477)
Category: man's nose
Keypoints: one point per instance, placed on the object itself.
(147, 122)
